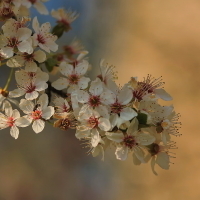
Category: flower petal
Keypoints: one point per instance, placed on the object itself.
(38, 125)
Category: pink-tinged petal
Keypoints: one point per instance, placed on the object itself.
(43, 101)
(83, 82)
(39, 56)
(66, 69)
(60, 84)
(163, 94)
(25, 46)
(125, 96)
(26, 106)
(121, 153)
(15, 114)
(82, 68)
(96, 138)
(31, 95)
(23, 122)
(23, 34)
(128, 114)
(41, 8)
(47, 112)
(35, 25)
(38, 125)
(163, 160)
(104, 124)
(116, 137)
(14, 132)
(83, 97)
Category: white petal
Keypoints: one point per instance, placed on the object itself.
(136, 161)
(116, 137)
(163, 94)
(125, 96)
(26, 106)
(82, 68)
(60, 84)
(31, 95)
(108, 97)
(153, 162)
(35, 25)
(23, 33)
(96, 87)
(43, 100)
(23, 122)
(96, 138)
(40, 56)
(128, 114)
(16, 93)
(104, 124)
(15, 114)
(83, 96)
(163, 160)
(82, 134)
(38, 125)
(47, 112)
(41, 8)
(133, 127)
(31, 67)
(83, 82)
(14, 132)
(25, 46)
(145, 139)
(139, 154)
(121, 152)
(66, 69)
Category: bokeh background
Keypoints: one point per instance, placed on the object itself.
(139, 37)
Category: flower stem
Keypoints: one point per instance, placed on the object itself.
(9, 79)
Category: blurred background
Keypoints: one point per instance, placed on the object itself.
(139, 37)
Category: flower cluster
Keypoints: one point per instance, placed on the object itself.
(128, 118)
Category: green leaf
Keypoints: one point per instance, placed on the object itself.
(142, 118)
(50, 63)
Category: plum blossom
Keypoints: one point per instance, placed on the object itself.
(12, 120)
(130, 140)
(42, 36)
(74, 77)
(37, 113)
(30, 83)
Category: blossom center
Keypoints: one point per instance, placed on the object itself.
(10, 121)
(73, 79)
(30, 88)
(129, 141)
(94, 101)
(41, 39)
(37, 114)
(13, 42)
(116, 107)
(154, 149)
(28, 57)
(93, 122)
